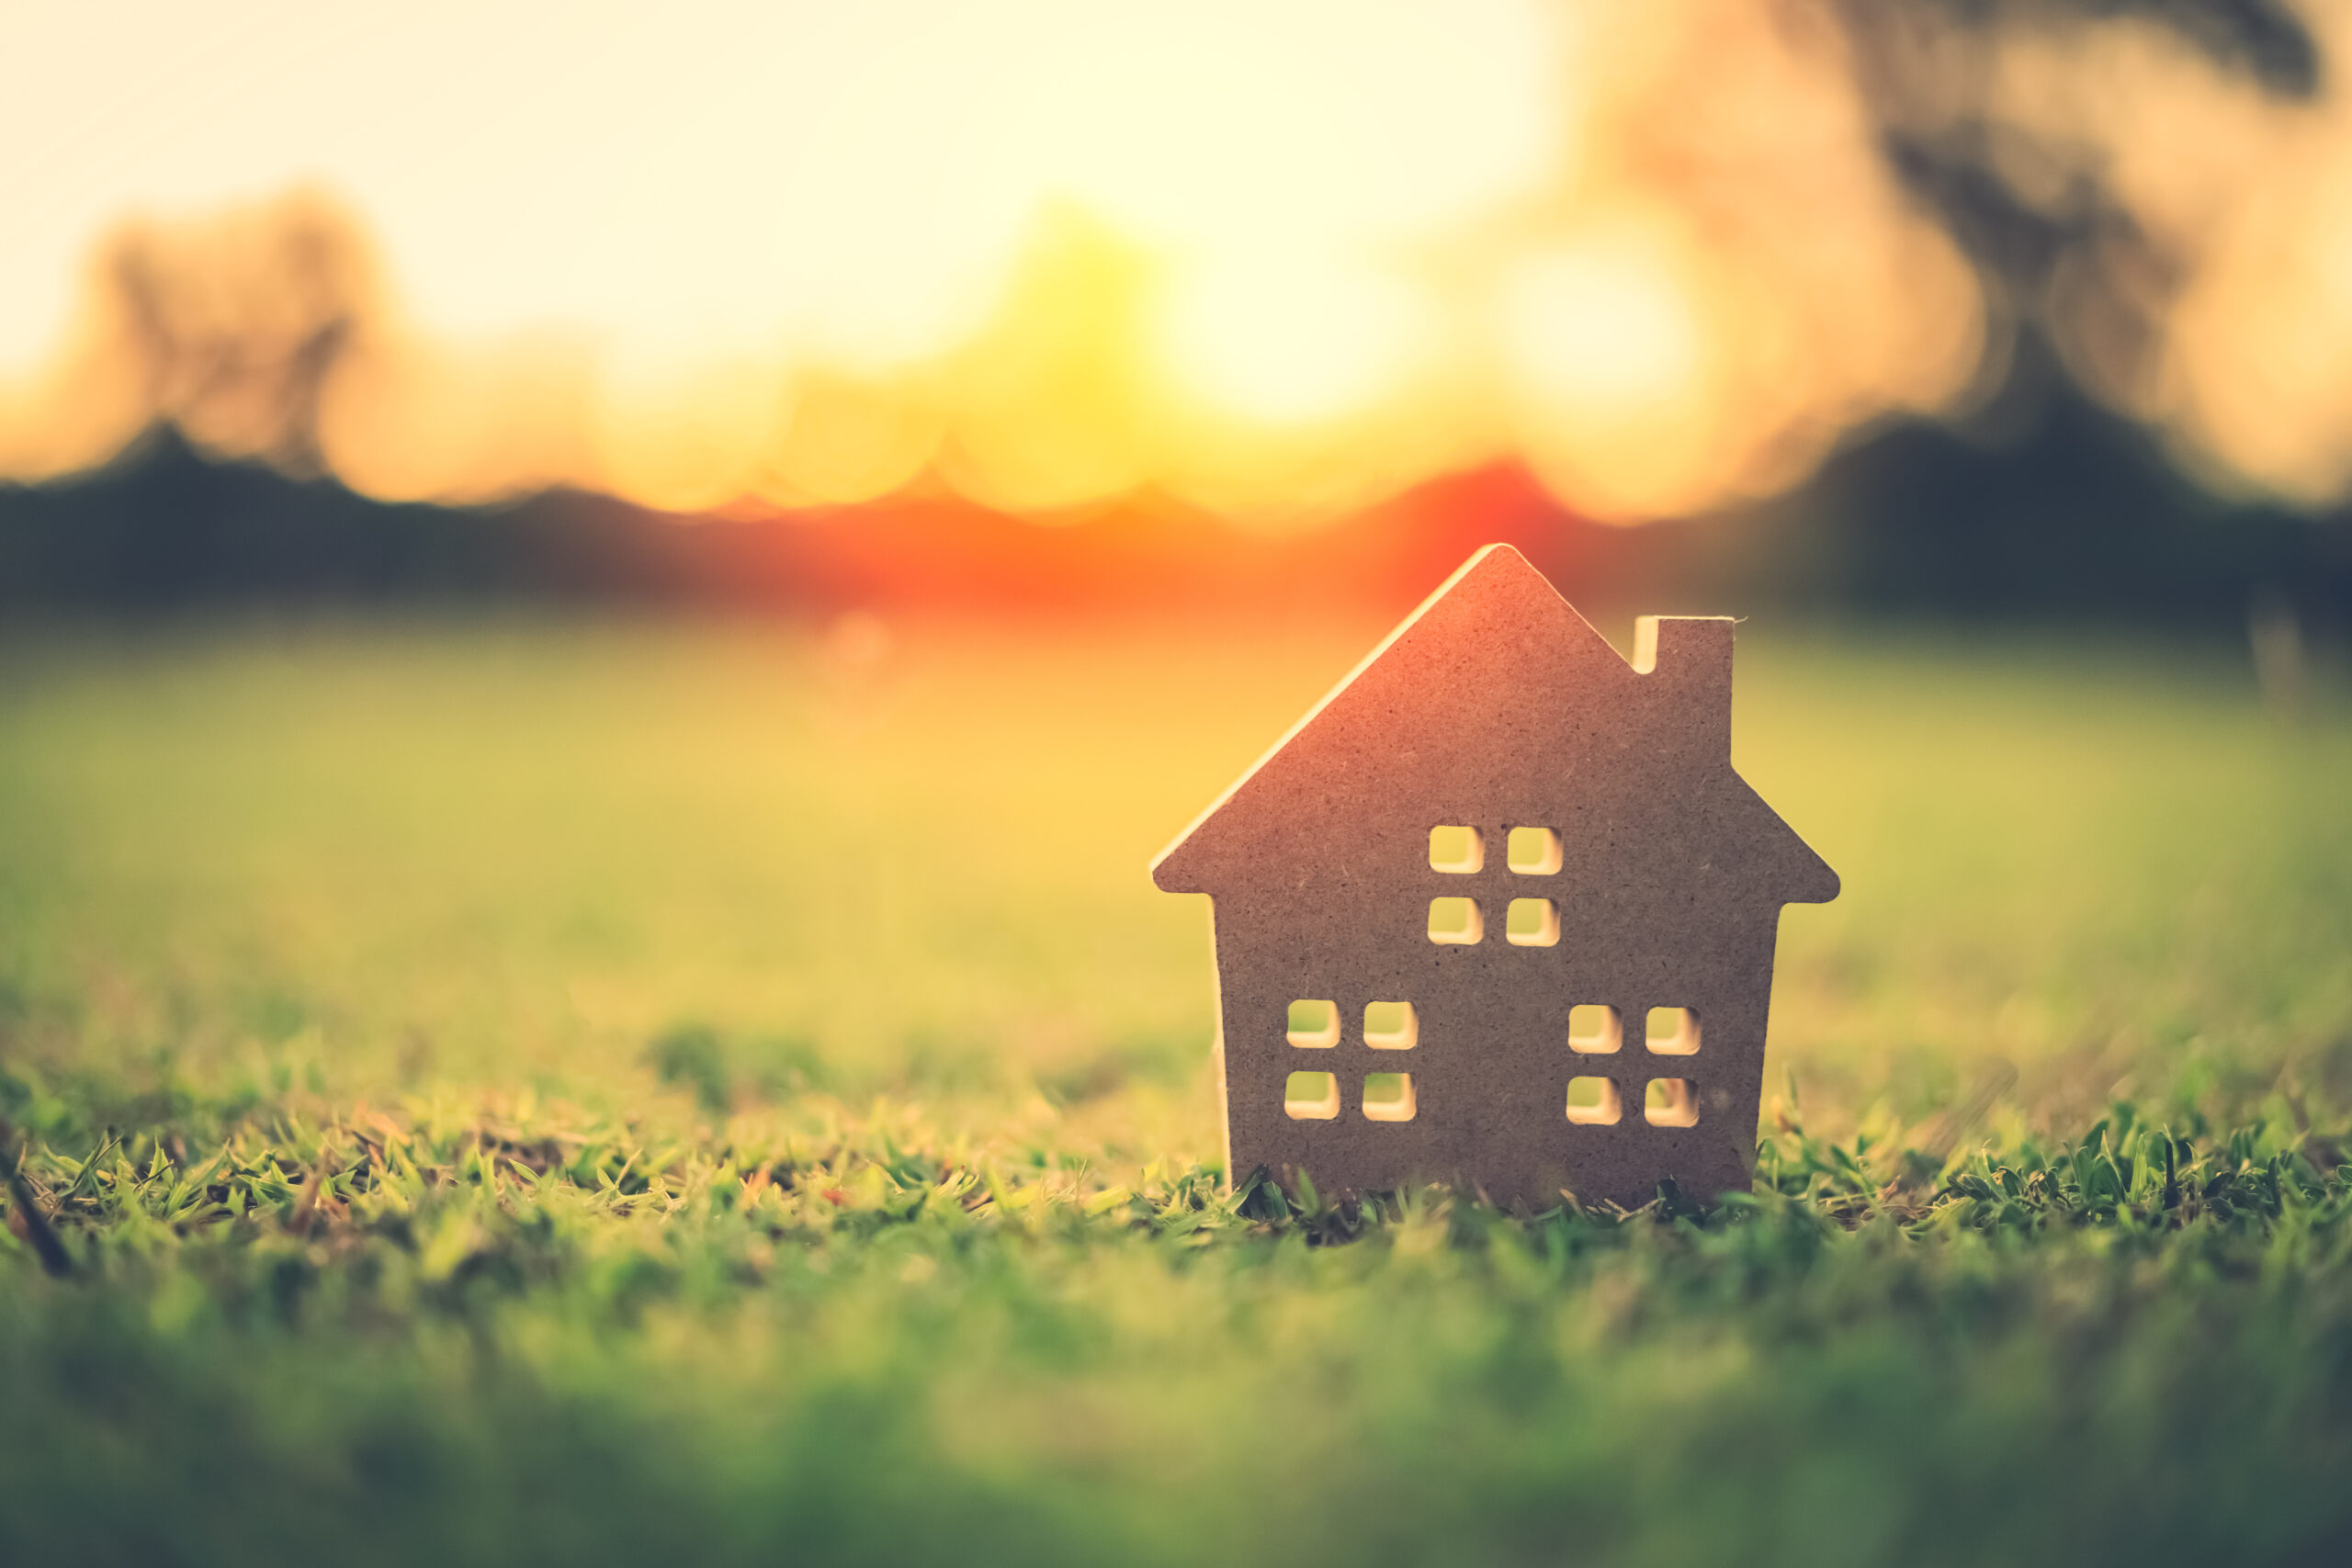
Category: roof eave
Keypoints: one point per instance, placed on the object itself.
(1166, 866)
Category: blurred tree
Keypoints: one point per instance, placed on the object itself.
(237, 322)
(2065, 259)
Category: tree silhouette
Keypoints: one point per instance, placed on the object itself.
(237, 322)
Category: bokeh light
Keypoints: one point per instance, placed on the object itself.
(1269, 259)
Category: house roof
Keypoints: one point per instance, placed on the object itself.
(1496, 701)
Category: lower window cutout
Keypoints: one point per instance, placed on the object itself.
(1673, 1031)
(1670, 1102)
(1388, 1097)
(1311, 1097)
(1594, 1029)
(1391, 1026)
(1313, 1026)
(1593, 1100)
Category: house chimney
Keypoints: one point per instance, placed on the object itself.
(1690, 656)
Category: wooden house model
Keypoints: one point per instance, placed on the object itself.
(1498, 912)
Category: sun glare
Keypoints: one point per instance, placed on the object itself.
(1290, 341)
(687, 434)
(1600, 333)
(1273, 255)
(1606, 365)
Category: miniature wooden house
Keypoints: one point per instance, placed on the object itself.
(1497, 911)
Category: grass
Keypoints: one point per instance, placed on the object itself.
(537, 1092)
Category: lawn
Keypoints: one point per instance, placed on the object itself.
(525, 1091)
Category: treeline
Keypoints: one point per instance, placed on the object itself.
(2080, 516)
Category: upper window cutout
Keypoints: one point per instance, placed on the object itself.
(1533, 851)
(1315, 1025)
(1455, 921)
(1532, 922)
(1594, 1029)
(1673, 1031)
(1458, 849)
(1391, 1026)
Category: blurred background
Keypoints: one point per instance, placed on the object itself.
(1970, 308)
(530, 530)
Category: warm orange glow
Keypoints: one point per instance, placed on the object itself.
(1610, 360)
(1289, 341)
(1270, 259)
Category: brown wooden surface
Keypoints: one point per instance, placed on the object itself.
(1495, 705)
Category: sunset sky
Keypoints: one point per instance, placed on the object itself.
(1272, 258)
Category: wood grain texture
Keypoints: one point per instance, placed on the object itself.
(1495, 706)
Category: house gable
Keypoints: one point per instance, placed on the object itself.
(1496, 701)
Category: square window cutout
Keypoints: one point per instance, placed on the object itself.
(1673, 1031)
(1391, 1026)
(1532, 922)
(1455, 921)
(1311, 1097)
(1594, 1029)
(1388, 1097)
(1457, 849)
(1313, 1026)
(1533, 851)
(1593, 1101)
(1670, 1102)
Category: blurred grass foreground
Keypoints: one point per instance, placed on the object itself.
(520, 1090)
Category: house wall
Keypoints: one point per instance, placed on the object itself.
(1492, 1060)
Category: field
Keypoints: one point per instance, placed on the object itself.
(503, 1091)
